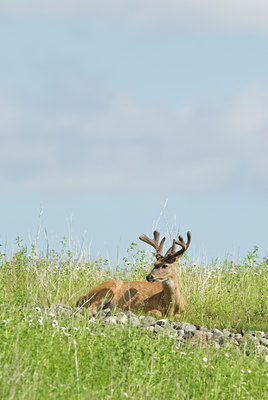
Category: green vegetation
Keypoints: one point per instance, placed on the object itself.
(45, 354)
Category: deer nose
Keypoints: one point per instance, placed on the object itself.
(148, 278)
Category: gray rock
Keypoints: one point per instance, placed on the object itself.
(180, 332)
(220, 340)
(149, 328)
(134, 321)
(177, 324)
(202, 336)
(162, 322)
(189, 329)
(217, 333)
(226, 333)
(110, 320)
(130, 314)
(238, 336)
(264, 341)
(122, 318)
(158, 329)
(147, 321)
(209, 336)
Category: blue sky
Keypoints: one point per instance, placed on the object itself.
(108, 109)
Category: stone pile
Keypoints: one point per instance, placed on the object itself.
(183, 331)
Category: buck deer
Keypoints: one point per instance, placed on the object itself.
(161, 295)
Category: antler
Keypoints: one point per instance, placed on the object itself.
(155, 243)
(180, 242)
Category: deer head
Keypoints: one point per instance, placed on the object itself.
(165, 267)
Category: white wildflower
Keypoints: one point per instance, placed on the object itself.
(51, 315)
(249, 371)
(40, 321)
(37, 309)
(182, 352)
(75, 329)
(205, 359)
(5, 321)
(55, 324)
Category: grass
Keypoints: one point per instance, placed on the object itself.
(45, 354)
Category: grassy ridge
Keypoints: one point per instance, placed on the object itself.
(56, 356)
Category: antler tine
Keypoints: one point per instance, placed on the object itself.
(154, 242)
(180, 242)
(171, 249)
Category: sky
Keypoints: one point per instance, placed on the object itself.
(121, 117)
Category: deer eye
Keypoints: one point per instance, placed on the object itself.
(164, 266)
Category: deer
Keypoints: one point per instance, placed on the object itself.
(160, 295)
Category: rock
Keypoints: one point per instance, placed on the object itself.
(200, 335)
(149, 328)
(264, 341)
(220, 340)
(158, 329)
(110, 320)
(232, 340)
(180, 332)
(209, 336)
(134, 321)
(177, 324)
(130, 314)
(147, 321)
(226, 333)
(122, 318)
(217, 333)
(162, 322)
(238, 336)
(261, 350)
(190, 329)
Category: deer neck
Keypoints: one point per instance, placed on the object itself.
(172, 295)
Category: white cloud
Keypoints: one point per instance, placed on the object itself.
(132, 145)
(193, 15)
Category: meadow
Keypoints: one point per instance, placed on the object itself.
(45, 353)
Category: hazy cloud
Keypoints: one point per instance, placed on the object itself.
(129, 144)
(221, 15)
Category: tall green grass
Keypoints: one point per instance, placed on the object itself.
(48, 354)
